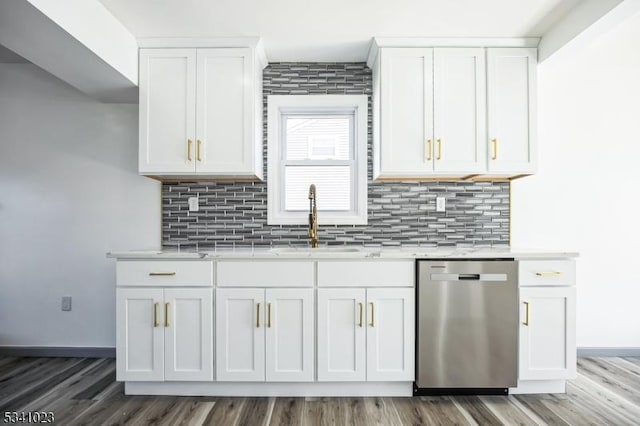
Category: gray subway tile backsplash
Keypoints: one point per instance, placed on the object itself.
(234, 214)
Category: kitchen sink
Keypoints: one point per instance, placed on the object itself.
(326, 249)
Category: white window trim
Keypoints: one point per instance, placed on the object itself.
(275, 106)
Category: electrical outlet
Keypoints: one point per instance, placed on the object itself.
(194, 206)
(441, 204)
(66, 303)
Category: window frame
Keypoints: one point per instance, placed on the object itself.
(285, 105)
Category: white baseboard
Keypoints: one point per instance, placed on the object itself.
(539, 386)
(317, 389)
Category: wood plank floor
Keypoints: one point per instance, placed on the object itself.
(83, 391)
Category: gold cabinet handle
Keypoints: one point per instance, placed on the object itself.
(526, 314)
(258, 315)
(166, 314)
(360, 315)
(427, 149)
(373, 318)
(439, 157)
(198, 149)
(155, 315)
(161, 274)
(549, 274)
(189, 143)
(269, 315)
(495, 149)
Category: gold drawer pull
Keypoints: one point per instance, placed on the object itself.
(360, 315)
(166, 314)
(439, 157)
(198, 148)
(161, 274)
(549, 274)
(373, 318)
(495, 149)
(258, 316)
(428, 149)
(155, 314)
(269, 315)
(526, 315)
(189, 143)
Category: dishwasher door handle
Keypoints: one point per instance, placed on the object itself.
(449, 277)
(469, 277)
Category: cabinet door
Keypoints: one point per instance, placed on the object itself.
(547, 333)
(511, 77)
(459, 110)
(290, 352)
(341, 335)
(167, 110)
(139, 335)
(390, 334)
(406, 118)
(188, 339)
(224, 112)
(240, 334)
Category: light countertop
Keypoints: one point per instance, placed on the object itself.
(348, 252)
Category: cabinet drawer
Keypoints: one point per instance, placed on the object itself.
(547, 272)
(264, 273)
(164, 273)
(366, 273)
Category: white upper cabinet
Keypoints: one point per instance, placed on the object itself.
(201, 112)
(459, 110)
(431, 114)
(511, 96)
(225, 100)
(167, 111)
(453, 111)
(406, 116)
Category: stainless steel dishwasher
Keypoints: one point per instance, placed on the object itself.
(467, 327)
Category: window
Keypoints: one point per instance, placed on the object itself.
(321, 140)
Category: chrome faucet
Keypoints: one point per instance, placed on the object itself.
(313, 217)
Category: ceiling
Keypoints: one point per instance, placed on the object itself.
(335, 30)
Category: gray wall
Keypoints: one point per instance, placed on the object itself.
(69, 192)
(235, 214)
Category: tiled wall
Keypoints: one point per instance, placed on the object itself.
(235, 214)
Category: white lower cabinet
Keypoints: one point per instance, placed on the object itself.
(188, 338)
(139, 336)
(547, 333)
(390, 334)
(239, 338)
(164, 334)
(366, 334)
(289, 335)
(264, 334)
(341, 334)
